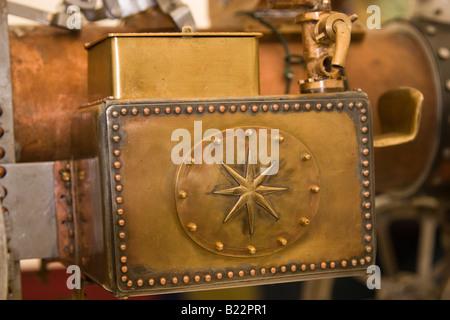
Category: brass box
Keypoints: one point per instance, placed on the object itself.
(173, 65)
(149, 225)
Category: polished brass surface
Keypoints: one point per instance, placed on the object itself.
(140, 65)
(170, 228)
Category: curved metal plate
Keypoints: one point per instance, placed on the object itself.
(248, 206)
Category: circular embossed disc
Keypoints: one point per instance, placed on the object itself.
(249, 205)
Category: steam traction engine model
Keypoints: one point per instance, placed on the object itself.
(176, 174)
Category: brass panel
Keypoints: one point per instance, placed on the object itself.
(173, 65)
(334, 231)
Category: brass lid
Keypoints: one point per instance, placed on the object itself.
(186, 32)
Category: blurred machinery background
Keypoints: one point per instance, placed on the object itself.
(411, 49)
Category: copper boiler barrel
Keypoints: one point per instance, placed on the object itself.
(49, 80)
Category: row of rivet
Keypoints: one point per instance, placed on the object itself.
(186, 279)
(233, 108)
(366, 195)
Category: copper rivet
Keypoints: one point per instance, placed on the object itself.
(163, 281)
(360, 105)
(251, 249)
(369, 249)
(124, 278)
(119, 199)
(308, 106)
(367, 216)
(367, 205)
(306, 157)
(365, 130)
(281, 139)
(340, 105)
(124, 269)
(123, 259)
(134, 111)
(304, 221)
(282, 242)
(241, 273)
(319, 106)
(122, 235)
(119, 188)
(243, 108)
(263, 270)
(219, 246)
(192, 227)
(208, 278)
(222, 109)
(344, 263)
(303, 267)
(366, 194)
(329, 106)
(368, 259)
(366, 183)
(182, 194)
(118, 177)
(175, 280)
(297, 106)
(117, 153)
(168, 110)
(315, 189)
(293, 268)
(287, 107)
(255, 108)
(123, 111)
(252, 272)
(366, 173)
(140, 282)
(275, 107)
(116, 127)
(117, 165)
(354, 262)
(351, 105)
(364, 119)
(157, 111)
(312, 266)
(123, 247)
(151, 282)
(129, 283)
(233, 108)
(147, 111)
(265, 107)
(189, 109)
(177, 110)
(219, 276)
(368, 238)
(115, 114)
(365, 140)
(323, 265)
(362, 262)
(211, 109)
(369, 226)
(363, 111)
(230, 274)
(366, 163)
(273, 270)
(200, 109)
(332, 265)
(366, 152)
(185, 279)
(120, 211)
(121, 222)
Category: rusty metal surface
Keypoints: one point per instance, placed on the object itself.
(153, 252)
